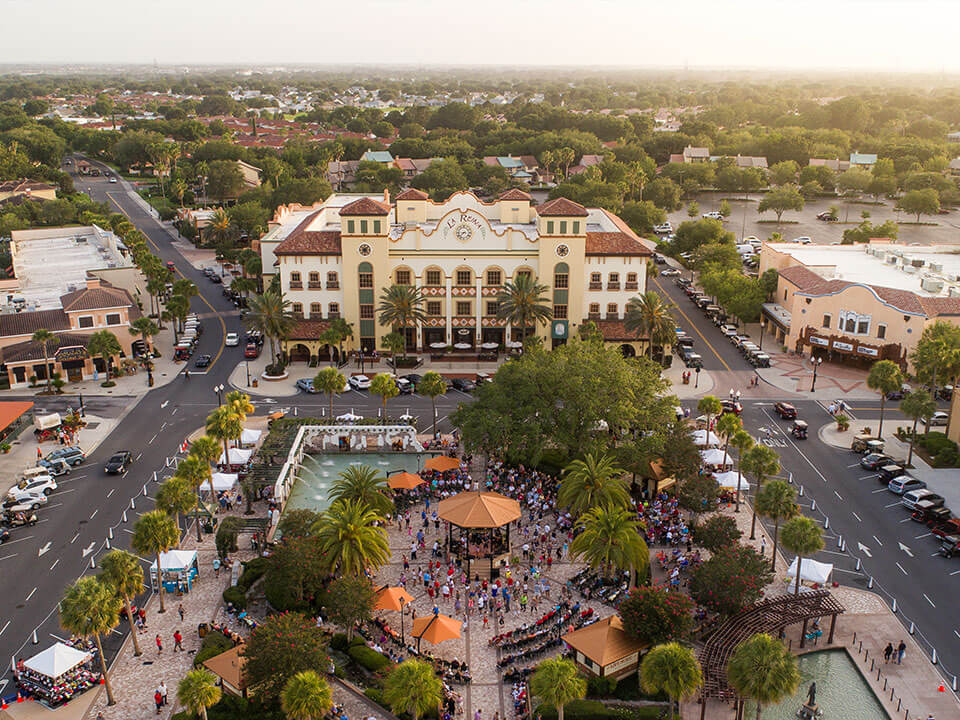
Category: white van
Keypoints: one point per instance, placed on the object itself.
(911, 498)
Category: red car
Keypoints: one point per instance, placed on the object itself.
(786, 411)
(252, 350)
(731, 406)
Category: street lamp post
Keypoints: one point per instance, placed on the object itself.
(696, 383)
(363, 351)
(218, 389)
(83, 412)
(248, 373)
(817, 362)
(402, 635)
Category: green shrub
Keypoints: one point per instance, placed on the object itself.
(253, 570)
(213, 644)
(375, 694)
(581, 710)
(227, 535)
(236, 596)
(600, 686)
(339, 642)
(368, 658)
(948, 457)
(936, 442)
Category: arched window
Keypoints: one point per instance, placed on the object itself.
(333, 281)
(402, 276)
(315, 310)
(297, 309)
(334, 311)
(561, 276)
(464, 277)
(295, 282)
(365, 272)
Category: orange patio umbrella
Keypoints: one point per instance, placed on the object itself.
(392, 598)
(442, 463)
(435, 629)
(405, 481)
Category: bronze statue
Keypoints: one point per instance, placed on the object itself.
(812, 694)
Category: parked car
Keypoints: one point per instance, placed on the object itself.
(786, 411)
(659, 259)
(118, 462)
(359, 382)
(899, 394)
(171, 265)
(712, 215)
(904, 484)
(202, 361)
(72, 455)
(215, 279)
(55, 467)
(949, 526)
(827, 216)
(232, 339)
(886, 473)
(464, 385)
(949, 545)
(939, 418)
(42, 483)
(404, 386)
(306, 385)
(910, 499)
(803, 240)
(22, 498)
(670, 272)
(413, 379)
(663, 228)
(731, 406)
(875, 461)
(693, 360)
(728, 330)
(251, 351)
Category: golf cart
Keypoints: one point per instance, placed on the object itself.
(949, 545)
(46, 426)
(864, 443)
(18, 515)
(930, 513)
(799, 429)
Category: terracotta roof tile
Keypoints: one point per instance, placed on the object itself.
(26, 323)
(365, 206)
(29, 350)
(96, 298)
(940, 305)
(561, 207)
(614, 330)
(308, 330)
(514, 194)
(614, 243)
(412, 194)
(309, 242)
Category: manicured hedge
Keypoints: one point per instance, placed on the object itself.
(368, 658)
(213, 644)
(253, 570)
(595, 710)
(234, 594)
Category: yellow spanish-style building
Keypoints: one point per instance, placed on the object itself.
(335, 259)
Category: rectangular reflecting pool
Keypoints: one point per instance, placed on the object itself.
(842, 692)
(318, 473)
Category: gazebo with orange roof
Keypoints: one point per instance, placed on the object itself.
(477, 511)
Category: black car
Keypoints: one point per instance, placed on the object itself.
(890, 472)
(118, 462)
(413, 379)
(875, 461)
(215, 279)
(464, 385)
(202, 361)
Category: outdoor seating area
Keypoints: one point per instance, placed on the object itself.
(58, 674)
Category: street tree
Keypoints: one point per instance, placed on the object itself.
(349, 601)
(760, 462)
(330, 381)
(885, 377)
(412, 688)
(649, 316)
(920, 202)
(784, 172)
(432, 385)
(154, 534)
(195, 469)
(803, 537)
(673, 669)
(716, 532)
(224, 424)
(781, 199)
(89, 608)
(177, 496)
(557, 682)
(522, 303)
(742, 441)
(595, 481)
(386, 387)
(917, 405)
(710, 406)
(655, 614)
(732, 579)
(610, 541)
(122, 572)
(46, 340)
(351, 538)
(280, 647)
(698, 494)
(146, 329)
(224, 179)
(198, 691)
(777, 501)
(306, 696)
(763, 670)
(693, 209)
(401, 307)
(726, 427)
(270, 314)
(105, 344)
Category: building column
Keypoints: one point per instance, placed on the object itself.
(478, 312)
(418, 329)
(449, 310)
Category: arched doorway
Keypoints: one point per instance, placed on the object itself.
(299, 353)
(628, 351)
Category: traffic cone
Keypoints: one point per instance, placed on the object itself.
(102, 681)
(941, 688)
(19, 697)
(3, 704)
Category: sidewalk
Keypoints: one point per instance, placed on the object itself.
(793, 373)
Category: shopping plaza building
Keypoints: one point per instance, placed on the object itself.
(857, 304)
(335, 259)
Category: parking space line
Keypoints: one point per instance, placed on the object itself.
(878, 541)
(893, 504)
(905, 520)
(928, 600)
(857, 517)
(901, 569)
(878, 490)
(838, 494)
(923, 536)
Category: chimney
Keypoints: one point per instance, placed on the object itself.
(386, 195)
(93, 283)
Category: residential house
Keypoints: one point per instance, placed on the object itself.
(863, 160)
(378, 156)
(691, 154)
(251, 174)
(30, 189)
(835, 164)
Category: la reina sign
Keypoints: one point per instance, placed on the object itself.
(465, 226)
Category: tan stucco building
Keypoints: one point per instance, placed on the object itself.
(334, 259)
(859, 304)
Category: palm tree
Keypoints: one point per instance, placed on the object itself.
(402, 306)
(105, 344)
(433, 386)
(198, 691)
(802, 536)
(610, 539)
(201, 174)
(121, 571)
(594, 481)
(194, 469)
(179, 307)
(384, 386)
(413, 688)
(47, 340)
(918, 404)
(145, 328)
(394, 343)
(330, 381)
(727, 426)
(224, 424)
(742, 441)
(306, 696)
(344, 331)
(648, 315)
(244, 285)
(673, 669)
(522, 302)
(763, 669)
(709, 406)
(218, 229)
(777, 501)
(270, 314)
(239, 401)
(154, 534)
(90, 608)
(362, 483)
(760, 462)
(557, 682)
(177, 495)
(350, 538)
(884, 376)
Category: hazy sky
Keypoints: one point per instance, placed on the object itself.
(829, 34)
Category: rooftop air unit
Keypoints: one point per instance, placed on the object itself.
(891, 259)
(936, 267)
(909, 269)
(916, 262)
(931, 284)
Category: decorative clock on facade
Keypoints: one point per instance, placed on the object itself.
(364, 249)
(562, 250)
(464, 232)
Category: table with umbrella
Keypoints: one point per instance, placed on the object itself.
(393, 598)
(479, 518)
(462, 346)
(442, 463)
(435, 628)
(438, 345)
(405, 481)
(490, 346)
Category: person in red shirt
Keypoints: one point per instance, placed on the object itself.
(159, 644)
(158, 699)
(177, 641)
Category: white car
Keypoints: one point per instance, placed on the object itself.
(29, 498)
(728, 330)
(940, 418)
(803, 240)
(232, 340)
(113, 180)
(359, 382)
(40, 484)
(713, 215)
(662, 229)
(669, 272)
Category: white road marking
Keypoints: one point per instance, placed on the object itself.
(901, 568)
(112, 491)
(7, 557)
(923, 536)
(94, 513)
(878, 490)
(30, 595)
(8, 625)
(857, 517)
(955, 571)
(139, 456)
(89, 548)
(878, 541)
(956, 633)
(45, 549)
(150, 441)
(56, 562)
(864, 549)
(164, 404)
(905, 520)
(854, 465)
(893, 504)
(838, 494)
(74, 538)
(928, 600)
(905, 549)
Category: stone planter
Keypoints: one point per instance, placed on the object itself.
(274, 378)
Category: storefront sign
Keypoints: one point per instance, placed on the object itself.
(864, 350)
(559, 329)
(621, 664)
(822, 342)
(842, 346)
(77, 352)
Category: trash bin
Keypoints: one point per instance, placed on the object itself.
(255, 382)
(202, 629)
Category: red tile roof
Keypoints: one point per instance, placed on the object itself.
(615, 243)
(308, 330)
(561, 207)
(96, 298)
(614, 330)
(365, 206)
(412, 194)
(940, 305)
(26, 323)
(309, 242)
(514, 194)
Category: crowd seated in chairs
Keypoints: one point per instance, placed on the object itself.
(551, 623)
(451, 671)
(520, 705)
(548, 639)
(593, 586)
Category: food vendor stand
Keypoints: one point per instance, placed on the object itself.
(179, 568)
(57, 674)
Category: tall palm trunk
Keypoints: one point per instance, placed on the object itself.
(796, 589)
(163, 607)
(103, 666)
(46, 365)
(196, 512)
(739, 477)
(773, 551)
(913, 439)
(883, 404)
(330, 395)
(133, 628)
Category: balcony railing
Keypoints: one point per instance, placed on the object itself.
(315, 285)
(593, 316)
(596, 286)
(613, 286)
(296, 285)
(333, 316)
(333, 285)
(631, 286)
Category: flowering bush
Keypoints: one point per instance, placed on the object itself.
(280, 648)
(716, 532)
(654, 614)
(731, 580)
